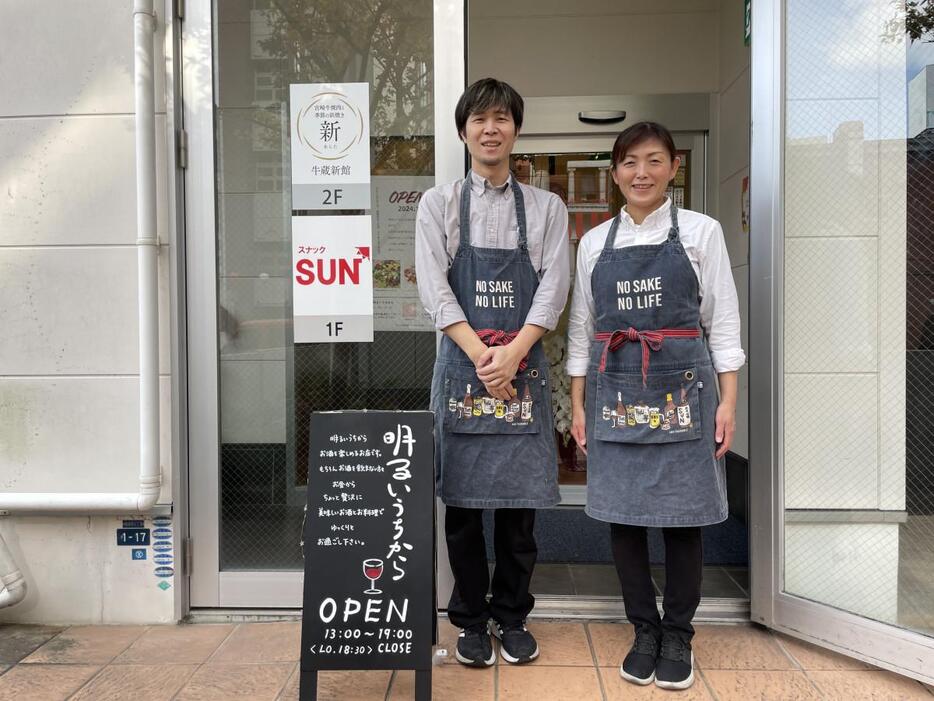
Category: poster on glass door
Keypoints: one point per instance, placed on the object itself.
(332, 279)
(330, 145)
(396, 306)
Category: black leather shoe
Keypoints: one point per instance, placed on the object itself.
(675, 668)
(639, 665)
(474, 647)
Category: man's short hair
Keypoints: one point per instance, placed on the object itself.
(485, 94)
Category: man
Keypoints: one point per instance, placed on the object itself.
(492, 266)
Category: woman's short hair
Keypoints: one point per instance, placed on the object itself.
(639, 133)
(485, 94)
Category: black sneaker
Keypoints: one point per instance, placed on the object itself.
(675, 668)
(639, 665)
(474, 647)
(517, 645)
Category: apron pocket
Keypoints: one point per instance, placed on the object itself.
(666, 410)
(469, 409)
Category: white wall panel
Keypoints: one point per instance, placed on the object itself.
(741, 438)
(734, 54)
(730, 217)
(74, 311)
(77, 574)
(587, 8)
(741, 280)
(831, 442)
(73, 181)
(71, 58)
(852, 565)
(77, 434)
(831, 180)
(574, 54)
(734, 127)
(831, 305)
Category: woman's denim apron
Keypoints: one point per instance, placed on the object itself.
(492, 453)
(651, 391)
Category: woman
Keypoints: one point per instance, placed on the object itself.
(653, 331)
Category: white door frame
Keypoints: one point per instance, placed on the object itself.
(209, 586)
(881, 644)
(201, 257)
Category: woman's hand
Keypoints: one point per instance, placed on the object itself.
(726, 412)
(579, 427)
(578, 413)
(726, 427)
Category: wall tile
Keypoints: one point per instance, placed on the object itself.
(74, 311)
(851, 566)
(831, 172)
(96, 78)
(831, 441)
(74, 434)
(72, 181)
(831, 305)
(77, 574)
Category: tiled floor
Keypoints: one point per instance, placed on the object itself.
(259, 661)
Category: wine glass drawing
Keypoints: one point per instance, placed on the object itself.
(372, 570)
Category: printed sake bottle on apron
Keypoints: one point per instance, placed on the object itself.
(493, 453)
(661, 470)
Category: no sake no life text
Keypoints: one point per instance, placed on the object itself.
(369, 560)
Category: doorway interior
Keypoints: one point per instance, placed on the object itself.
(586, 72)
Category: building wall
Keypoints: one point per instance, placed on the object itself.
(732, 166)
(68, 281)
(601, 47)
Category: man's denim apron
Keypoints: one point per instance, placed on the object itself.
(651, 391)
(493, 453)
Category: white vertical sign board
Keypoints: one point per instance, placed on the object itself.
(330, 145)
(332, 279)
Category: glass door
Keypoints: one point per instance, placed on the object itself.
(841, 310)
(252, 388)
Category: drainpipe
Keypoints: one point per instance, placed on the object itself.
(147, 249)
(12, 581)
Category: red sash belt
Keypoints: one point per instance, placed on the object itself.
(497, 337)
(649, 340)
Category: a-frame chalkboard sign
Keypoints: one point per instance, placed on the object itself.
(369, 599)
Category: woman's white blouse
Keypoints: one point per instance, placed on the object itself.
(703, 242)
